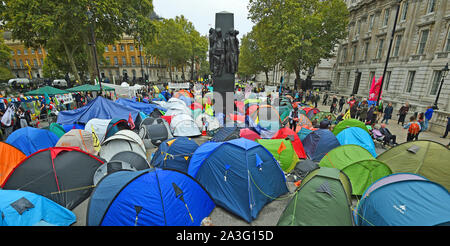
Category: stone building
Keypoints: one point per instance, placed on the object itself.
(420, 50)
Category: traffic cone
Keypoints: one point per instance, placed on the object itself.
(203, 129)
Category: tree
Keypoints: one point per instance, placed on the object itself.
(300, 32)
(5, 56)
(38, 22)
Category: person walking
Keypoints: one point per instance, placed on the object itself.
(413, 129)
(325, 98)
(428, 116)
(402, 113)
(387, 113)
(447, 128)
(341, 103)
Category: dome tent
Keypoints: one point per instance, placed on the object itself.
(403, 199)
(175, 154)
(358, 164)
(182, 125)
(328, 187)
(122, 141)
(347, 124)
(99, 126)
(318, 143)
(30, 140)
(241, 186)
(426, 158)
(134, 159)
(78, 138)
(53, 172)
(10, 157)
(154, 131)
(22, 208)
(284, 133)
(151, 197)
(282, 150)
(355, 135)
(111, 167)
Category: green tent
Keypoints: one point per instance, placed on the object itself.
(51, 91)
(89, 87)
(287, 157)
(426, 158)
(358, 164)
(323, 199)
(57, 129)
(349, 123)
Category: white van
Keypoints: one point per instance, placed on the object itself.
(18, 81)
(59, 82)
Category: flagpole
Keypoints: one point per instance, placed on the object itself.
(389, 52)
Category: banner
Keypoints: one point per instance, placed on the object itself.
(178, 85)
(375, 89)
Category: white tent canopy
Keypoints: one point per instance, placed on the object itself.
(99, 125)
(123, 140)
(182, 125)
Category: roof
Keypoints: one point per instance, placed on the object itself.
(49, 90)
(89, 87)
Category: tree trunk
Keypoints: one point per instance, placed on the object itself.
(90, 57)
(192, 68)
(73, 67)
(170, 71)
(297, 79)
(267, 77)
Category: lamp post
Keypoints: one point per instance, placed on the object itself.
(443, 75)
(389, 51)
(90, 15)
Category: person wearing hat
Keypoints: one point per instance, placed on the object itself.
(293, 117)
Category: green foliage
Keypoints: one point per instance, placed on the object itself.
(299, 33)
(5, 56)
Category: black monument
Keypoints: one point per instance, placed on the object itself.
(224, 60)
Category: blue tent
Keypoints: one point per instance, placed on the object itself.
(186, 100)
(175, 154)
(404, 199)
(318, 143)
(226, 133)
(146, 108)
(99, 108)
(241, 175)
(357, 136)
(30, 140)
(23, 208)
(151, 197)
(69, 127)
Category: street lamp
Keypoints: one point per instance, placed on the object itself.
(444, 73)
(389, 51)
(90, 15)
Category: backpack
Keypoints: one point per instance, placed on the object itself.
(414, 128)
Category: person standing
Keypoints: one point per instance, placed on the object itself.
(387, 113)
(447, 128)
(402, 113)
(341, 103)
(364, 110)
(413, 129)
(325, 98)
(293, 117)
(428, 116)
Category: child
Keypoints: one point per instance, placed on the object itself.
(413, 129)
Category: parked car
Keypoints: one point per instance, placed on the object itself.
(17, 81)
(59, 82)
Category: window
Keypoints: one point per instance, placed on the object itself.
(32, 52)
(140, 47)
(347, 79)
(122, 48)
(410, 81)
(108, 60)
(116, 61)
(114, 48)
(354, 53)
(131, 48)
(124, 61)
(398, 41)
(386, 17)
(380, 48)
(15, 63)
(447, 48)
(358, 28)
(437, 76)
(366, 50)
(371, 21)
(39, 51)
(338, 78)
(431, 6)
(35, 63)
(133, 60)
(404, 10)
(18, 52)
(25, 51)
(387, 79)
(12, 52)
(42, 61)
(423, 42)
(106, 48)
(344, 54)
(28, 62)
(21, 63)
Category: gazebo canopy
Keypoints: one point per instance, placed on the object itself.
(51, 91)
(89, 87)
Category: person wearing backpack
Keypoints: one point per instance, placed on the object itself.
(413, 129)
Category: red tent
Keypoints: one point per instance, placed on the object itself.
(196, 105)
(296, 143)
(236, 117)
(249, 134)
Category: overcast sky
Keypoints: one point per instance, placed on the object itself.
(202, 12)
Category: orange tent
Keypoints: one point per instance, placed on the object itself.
(10, 156)
(183, 92)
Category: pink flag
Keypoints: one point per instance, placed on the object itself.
(375, 89)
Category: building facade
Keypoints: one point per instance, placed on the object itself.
(420, 50)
